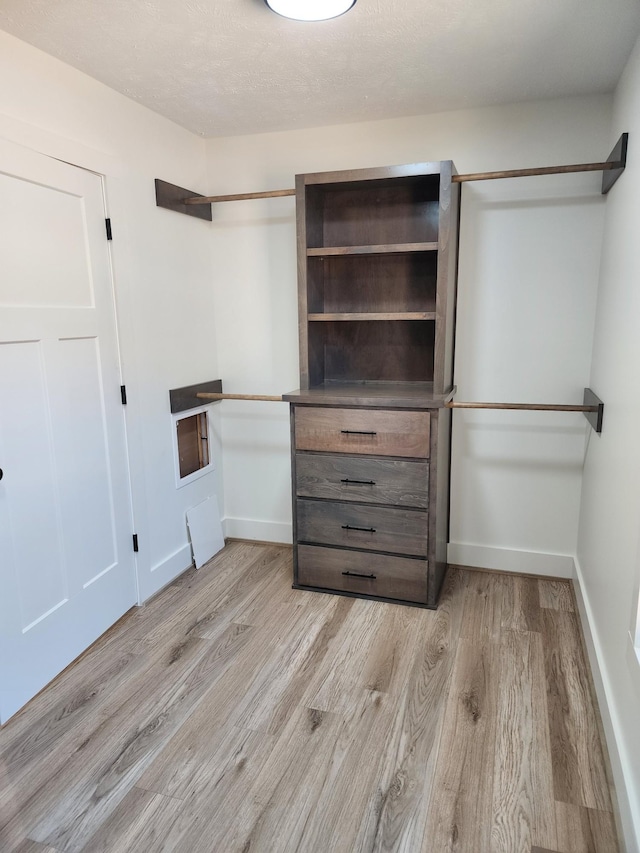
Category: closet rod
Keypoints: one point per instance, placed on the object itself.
(211, 199)
(529, 407)
(456, 179)
(592, 408)
(266, 397)
(533, 407)
(543, 170)
(186, 201)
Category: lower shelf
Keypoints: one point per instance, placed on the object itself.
(362, 573)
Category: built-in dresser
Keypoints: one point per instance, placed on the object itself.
(377, 262)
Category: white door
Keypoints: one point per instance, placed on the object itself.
(66, 564)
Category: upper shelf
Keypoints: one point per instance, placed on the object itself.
(384, 249)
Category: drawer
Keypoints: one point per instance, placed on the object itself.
(356, 478)
(369, 574)
(401, 531)
(378, 432)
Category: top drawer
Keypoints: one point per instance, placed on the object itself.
(378, 432)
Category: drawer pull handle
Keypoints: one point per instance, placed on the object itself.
(358, 575)
(359, 482)
(364, 529)
(357, 432)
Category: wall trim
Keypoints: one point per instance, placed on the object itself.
(629, 828)
(259, 531)
(165, 571)
(511, 560)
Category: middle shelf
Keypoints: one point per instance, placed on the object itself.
(381, 351)
(372, 287)
(370, 315)
(382, 249)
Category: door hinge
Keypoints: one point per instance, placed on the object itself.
(135, 542)
(107, 224)
(123, 394)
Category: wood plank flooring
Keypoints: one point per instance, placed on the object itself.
(233, 713)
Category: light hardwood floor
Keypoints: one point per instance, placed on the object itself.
(233, 713)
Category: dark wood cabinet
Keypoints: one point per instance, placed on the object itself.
(377, 262)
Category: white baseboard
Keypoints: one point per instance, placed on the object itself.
(164, 572)
(509, 560)
(260, 531)
(621, 773)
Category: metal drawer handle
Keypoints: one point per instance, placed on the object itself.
(356, 432)
(364, 529)
(359, 482)
(358, 575)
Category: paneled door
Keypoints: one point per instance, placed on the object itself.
(67, 570)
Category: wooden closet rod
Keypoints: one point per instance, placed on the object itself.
(543, 170)
(456, 179)
(528, 407)
(592, 408)
(188, 202)
(266, 397)
(533, 407)
(211, 199)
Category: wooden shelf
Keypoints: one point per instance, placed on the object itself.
(369, 315)
(405, 395)
(384, 249)
(382, 351)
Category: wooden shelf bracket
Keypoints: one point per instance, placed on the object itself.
(172, 197)
(188, 397)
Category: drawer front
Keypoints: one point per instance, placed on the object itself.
(401, 531)
(382, 433)
(354, 478)
(369, 574)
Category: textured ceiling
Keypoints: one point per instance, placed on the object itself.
(224, 67)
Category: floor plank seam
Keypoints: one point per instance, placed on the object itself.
(138, 787)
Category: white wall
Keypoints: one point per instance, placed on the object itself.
(608, 571)
(528, 276)
(162, 270)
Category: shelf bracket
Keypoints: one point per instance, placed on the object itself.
(619, 157)
(595, 411)
(187, 397)
(172, 197)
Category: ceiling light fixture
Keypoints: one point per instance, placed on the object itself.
(310, 10)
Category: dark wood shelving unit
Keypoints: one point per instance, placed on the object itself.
(377, 262)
